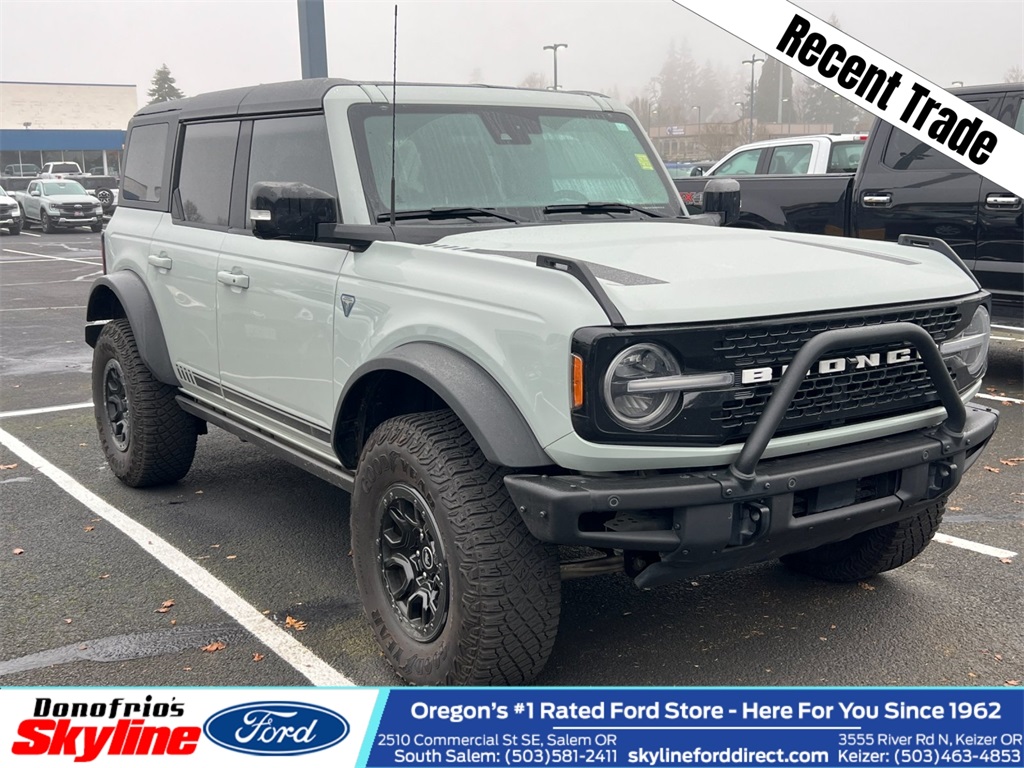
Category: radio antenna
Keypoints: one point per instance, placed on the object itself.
(394, 88)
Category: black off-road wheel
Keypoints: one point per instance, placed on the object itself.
(146, 437)
(872, 552)
(97, 227)
(457, 590)
(46, 224)
(14, 229)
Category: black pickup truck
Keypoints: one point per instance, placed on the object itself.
(903, 187)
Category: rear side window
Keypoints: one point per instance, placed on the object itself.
(794, 159)
(743, 163)
(204, 178)
(291, 149)
(844, 157)
(905, 153)
(144, 165)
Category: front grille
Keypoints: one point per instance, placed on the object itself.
(832, 399)
(71, 208)
(772, 344)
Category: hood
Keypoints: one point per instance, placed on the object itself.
(72, 199)
(659, 272)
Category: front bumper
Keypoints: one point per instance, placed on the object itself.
(754, 510)
(74, 221)
(701, 522)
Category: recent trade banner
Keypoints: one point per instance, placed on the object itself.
(876, 83)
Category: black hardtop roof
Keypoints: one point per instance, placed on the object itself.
(288, 96)
(968, 90)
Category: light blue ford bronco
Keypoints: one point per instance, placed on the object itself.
(486, 313)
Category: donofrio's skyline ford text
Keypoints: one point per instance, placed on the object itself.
(486, 313)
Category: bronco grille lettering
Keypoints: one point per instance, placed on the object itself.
(832, 365)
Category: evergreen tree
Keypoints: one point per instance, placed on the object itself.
(163, 88)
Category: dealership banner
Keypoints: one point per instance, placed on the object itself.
(342, 727)
(875, 83)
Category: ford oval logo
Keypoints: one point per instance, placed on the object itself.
(276, 728)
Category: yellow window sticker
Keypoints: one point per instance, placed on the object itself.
(645, 162)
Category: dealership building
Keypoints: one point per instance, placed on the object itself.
(48, 122)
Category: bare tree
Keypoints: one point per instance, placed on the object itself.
(1014, 75)
(534, 80)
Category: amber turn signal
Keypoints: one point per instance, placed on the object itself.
(577, 381)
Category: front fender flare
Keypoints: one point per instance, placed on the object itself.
(489, 414)
(124, 294)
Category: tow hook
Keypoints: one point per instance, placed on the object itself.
(749, 520)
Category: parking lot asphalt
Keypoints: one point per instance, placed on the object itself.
(240, 574)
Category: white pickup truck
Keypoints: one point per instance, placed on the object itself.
(825, 153)
(60, 170)
(53, 203)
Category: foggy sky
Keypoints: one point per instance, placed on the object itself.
(614, 45)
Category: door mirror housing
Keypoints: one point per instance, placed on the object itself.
(722, 196)
(696, 171)
(290, 210)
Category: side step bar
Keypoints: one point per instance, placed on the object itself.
(312, 464)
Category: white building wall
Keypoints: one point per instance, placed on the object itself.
(66, 106)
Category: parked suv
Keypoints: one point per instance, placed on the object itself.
(501, 332)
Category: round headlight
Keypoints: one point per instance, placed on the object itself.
(971, 346)
(640, 411)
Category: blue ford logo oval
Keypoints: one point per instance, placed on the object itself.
(276, 728)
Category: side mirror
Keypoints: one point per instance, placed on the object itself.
(697, 171)
(34, 193)
(290, 210)
(722, 196)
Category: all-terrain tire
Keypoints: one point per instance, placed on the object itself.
(14, 229)
(46, 224)
(97, 227)
(497, 588)
(146, 437)
(872, 552)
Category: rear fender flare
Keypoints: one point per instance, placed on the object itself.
(124, 294)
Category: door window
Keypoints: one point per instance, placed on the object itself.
(741, 163)
(794, 159)
(294, 149)
(204, 180)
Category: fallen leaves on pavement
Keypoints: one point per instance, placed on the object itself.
(295, 624)
(165, 606)
(215, 646)
(8, 466)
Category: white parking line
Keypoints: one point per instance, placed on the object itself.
(1006, 338)
(34, 309)
(308, 664)
(1015, 400)
(52, 258)
(985, 549)
(50, 409)
(1008, 328)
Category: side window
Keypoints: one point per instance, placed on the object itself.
(1019, 125)
(291, 149)
(744, 162)
(144, 164)
(844, 157)
(204, 177)
(795, 159)
(905, 153)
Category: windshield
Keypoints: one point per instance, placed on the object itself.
(511, 159)
(63, 188)
(3, 192)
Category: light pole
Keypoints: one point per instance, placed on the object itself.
(698, 126)
(554, 53)
(752, 61)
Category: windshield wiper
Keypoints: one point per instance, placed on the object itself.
(600, 208)
(452, 212)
